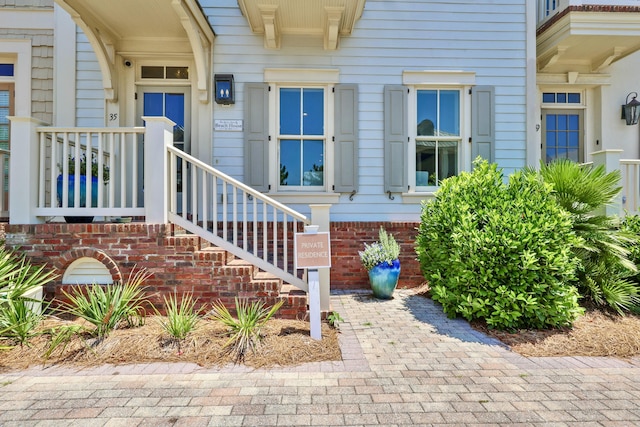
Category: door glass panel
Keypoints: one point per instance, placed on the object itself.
(170, 105)
(562, 136)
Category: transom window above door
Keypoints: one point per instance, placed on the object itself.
(301, 137)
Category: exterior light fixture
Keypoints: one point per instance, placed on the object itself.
(224, 89)
(631, 110)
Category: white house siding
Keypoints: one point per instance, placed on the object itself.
(42, 69)
(48, 4)
(615, 133)
(89, 91)
(485, 37)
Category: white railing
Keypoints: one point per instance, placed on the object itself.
(89, 171)
(171, 187)
(549, 8)
(4, 183)
(233, 216)
(630, 183)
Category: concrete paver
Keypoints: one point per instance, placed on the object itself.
(404, 363)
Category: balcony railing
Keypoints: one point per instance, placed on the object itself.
(137, 171)
(547, 9)
(89, 171)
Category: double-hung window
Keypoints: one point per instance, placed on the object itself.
(302, 136)
(438, 135)
(426, 121)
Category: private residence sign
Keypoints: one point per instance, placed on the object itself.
(312, 250)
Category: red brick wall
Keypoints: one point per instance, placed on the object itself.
(347, 238)
(177, 264)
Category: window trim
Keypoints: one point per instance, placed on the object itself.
(274, 145)
(464, 151)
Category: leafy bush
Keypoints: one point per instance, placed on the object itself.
(246, 331)
(106, 307)
(603, 249)
(499, 252)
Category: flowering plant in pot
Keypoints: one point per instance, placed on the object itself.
(381, 260)
(82, 165)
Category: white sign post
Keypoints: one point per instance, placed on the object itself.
(313, 251)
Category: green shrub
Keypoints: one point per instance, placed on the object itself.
(106, 307)
(499, 252)
(605, 269)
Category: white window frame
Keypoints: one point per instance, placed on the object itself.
(464, 152)
(301, 78)
(462, 81)
(327, 89)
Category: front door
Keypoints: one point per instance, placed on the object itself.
(562, 135)
(174, 104)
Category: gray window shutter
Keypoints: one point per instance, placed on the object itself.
(346, 138)
(396, 139)
(256, 136)
(483, 123)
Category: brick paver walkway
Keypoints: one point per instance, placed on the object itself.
(404, 363)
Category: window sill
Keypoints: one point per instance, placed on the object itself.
(417, 196)
(305, 197)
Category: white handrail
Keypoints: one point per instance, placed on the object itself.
(108, 185)
(234, 216)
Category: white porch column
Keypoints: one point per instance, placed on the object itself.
(611, 161)
(157, 136)
(24, 170)
(320, 217)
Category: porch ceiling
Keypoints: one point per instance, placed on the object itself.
(143, 28)
(328, 18)
(587, 42)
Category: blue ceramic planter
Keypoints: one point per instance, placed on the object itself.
(83, 191)
(384, 279)
(83, 196)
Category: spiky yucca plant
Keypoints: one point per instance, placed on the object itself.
(106, 306)
(584, 191)
(245, 332)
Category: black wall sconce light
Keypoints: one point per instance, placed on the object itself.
(225, 94)
(631, 110)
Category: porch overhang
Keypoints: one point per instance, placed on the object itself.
(121, 28)
(587, 41)
(330, 19)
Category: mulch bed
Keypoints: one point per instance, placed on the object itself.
(285, 343)
(597, 333)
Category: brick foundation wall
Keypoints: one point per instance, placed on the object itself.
(178, 264)
(347, 238)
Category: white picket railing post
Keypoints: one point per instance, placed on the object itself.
(320, 217)
(611, 161)
(24, 170)
(158, 135)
